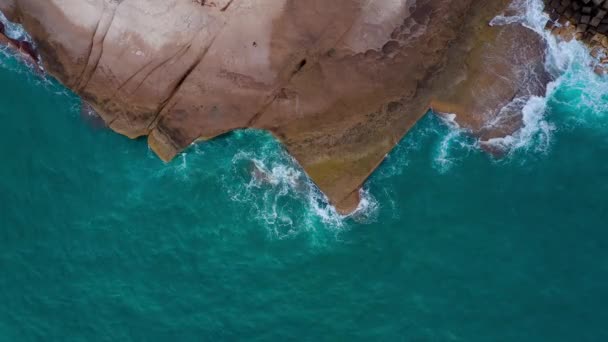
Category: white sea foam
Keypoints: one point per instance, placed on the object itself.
(536, 131)
(277, 180)
(284, 198)
(565, 61)
(457, 138)
(17, 32)
(443, 160)
(14, 31)
(584, 94)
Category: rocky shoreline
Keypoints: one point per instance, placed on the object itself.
(583, 20)
(589, 16)
(25, 49)
(338, 83)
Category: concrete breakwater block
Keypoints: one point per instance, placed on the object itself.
(584, 20)
(589, 16)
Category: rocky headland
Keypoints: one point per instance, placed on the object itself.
(337, 82)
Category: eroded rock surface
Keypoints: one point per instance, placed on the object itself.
(338, 82)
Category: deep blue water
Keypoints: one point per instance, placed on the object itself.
(99, 240)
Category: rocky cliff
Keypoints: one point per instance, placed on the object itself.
(337, 82)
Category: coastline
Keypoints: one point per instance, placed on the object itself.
(24, 48)
(338, 114)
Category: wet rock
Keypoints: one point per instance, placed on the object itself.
(499, 82)
(588, 23)
(23, 47)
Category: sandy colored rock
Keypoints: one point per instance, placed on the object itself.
(337, 82)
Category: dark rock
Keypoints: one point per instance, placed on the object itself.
(587, 15)
(27, 48)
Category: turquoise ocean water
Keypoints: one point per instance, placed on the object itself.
(99, 240)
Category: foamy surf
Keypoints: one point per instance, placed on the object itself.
(14, 59)
(536, 132)
(572, 67)
(579, 92)
(450, 148)
(565, 61)
(14, 31)
(282, 196)
(279, 181)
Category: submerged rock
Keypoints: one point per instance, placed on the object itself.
(337, 82)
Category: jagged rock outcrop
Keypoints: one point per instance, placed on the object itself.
(338, 82)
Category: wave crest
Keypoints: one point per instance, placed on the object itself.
(284, 199)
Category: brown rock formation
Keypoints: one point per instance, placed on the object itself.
(338, 82)
(497, 82)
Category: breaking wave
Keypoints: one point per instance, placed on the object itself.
(14, 31)
(536, 132)
(452, 147)
(576, 92)
(569, 64)
(282, 196)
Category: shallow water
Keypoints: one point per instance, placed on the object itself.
(99, 240)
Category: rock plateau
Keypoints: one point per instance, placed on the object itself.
(337, 82)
